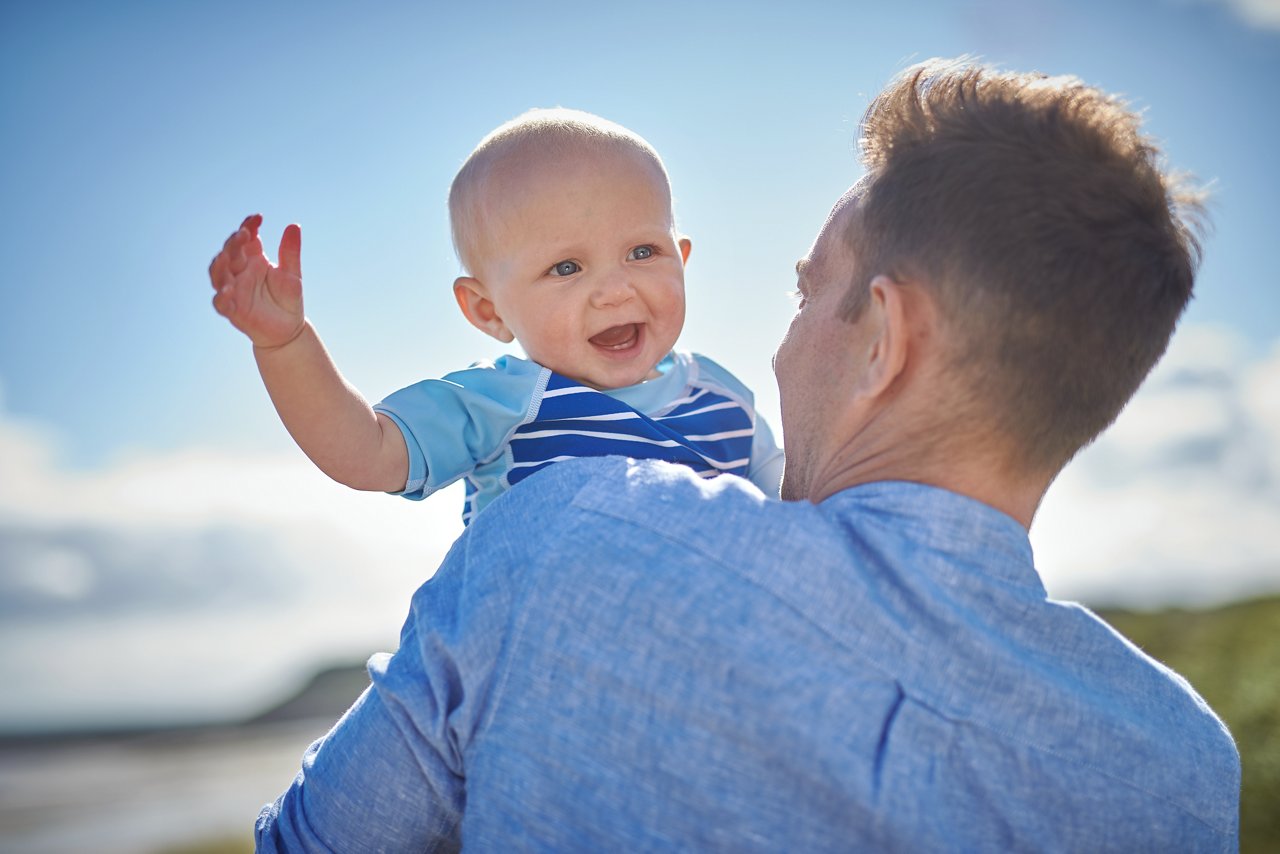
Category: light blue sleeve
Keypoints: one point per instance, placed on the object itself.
(455, 423)
(765, 469)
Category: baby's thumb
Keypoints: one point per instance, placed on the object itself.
(291, 251)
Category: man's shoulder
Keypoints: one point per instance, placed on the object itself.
(618, 491)
(621, 486)
(554, 487)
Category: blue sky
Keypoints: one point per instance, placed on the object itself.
(145, 484)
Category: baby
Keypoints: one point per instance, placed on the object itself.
(563, 223)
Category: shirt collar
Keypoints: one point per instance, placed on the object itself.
(976, 534)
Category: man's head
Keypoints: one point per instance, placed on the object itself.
(563, 222)
(1051, 251)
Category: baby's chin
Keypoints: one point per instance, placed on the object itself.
(608, 384)
(606, 380)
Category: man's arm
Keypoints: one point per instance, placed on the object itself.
(332, 423)
(389, 776)
(366, 786)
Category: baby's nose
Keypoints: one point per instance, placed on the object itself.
(612, 289)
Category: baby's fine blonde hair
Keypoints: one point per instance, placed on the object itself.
(535, 139)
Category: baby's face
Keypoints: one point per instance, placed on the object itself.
(585, 269)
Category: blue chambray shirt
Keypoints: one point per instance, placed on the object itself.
(621, 656)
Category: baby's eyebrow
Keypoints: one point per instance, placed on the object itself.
(800, 265)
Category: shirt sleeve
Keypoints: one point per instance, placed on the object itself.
(453, 424)
(365, 787)
(389, 776)
(765, 468)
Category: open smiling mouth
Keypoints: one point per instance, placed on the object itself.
(617, 338)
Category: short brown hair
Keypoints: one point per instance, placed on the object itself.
(1039, 214)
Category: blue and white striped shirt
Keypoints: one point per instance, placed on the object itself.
(495, 424)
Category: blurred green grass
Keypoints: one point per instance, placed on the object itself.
(220, 845)
(1231, 655)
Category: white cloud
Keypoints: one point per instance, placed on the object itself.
(194, 583)
(1259, 13)
(1263, 14)
(1179, 503)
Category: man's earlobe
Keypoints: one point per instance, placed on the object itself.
(685, 246)
(479, 310)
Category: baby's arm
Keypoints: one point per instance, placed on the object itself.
(332, 423)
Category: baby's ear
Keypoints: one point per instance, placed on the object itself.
(686, 245)
(479, 309)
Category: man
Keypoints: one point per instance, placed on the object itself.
(618, 655)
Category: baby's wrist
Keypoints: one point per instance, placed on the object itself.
(267, 347)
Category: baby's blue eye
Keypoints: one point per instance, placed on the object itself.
(566, 268)
(640, 253)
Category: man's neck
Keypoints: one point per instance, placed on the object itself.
(969, 466)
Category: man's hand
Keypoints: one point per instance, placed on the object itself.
(262, 300)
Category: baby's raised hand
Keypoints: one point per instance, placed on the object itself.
(262, 300)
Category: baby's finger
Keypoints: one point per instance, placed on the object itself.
(218, 271)
(224, 303)
(253, 245)
(236, 260)
(290, 252)
(237, 233)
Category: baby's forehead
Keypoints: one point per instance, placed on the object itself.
(525, 177)
(554, 156)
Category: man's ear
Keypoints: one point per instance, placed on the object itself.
(685, 245)
(479, 309)
(888, 311)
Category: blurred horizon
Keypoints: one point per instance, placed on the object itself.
(166, 553)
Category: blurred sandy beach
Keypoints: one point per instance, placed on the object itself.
(145, 793)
